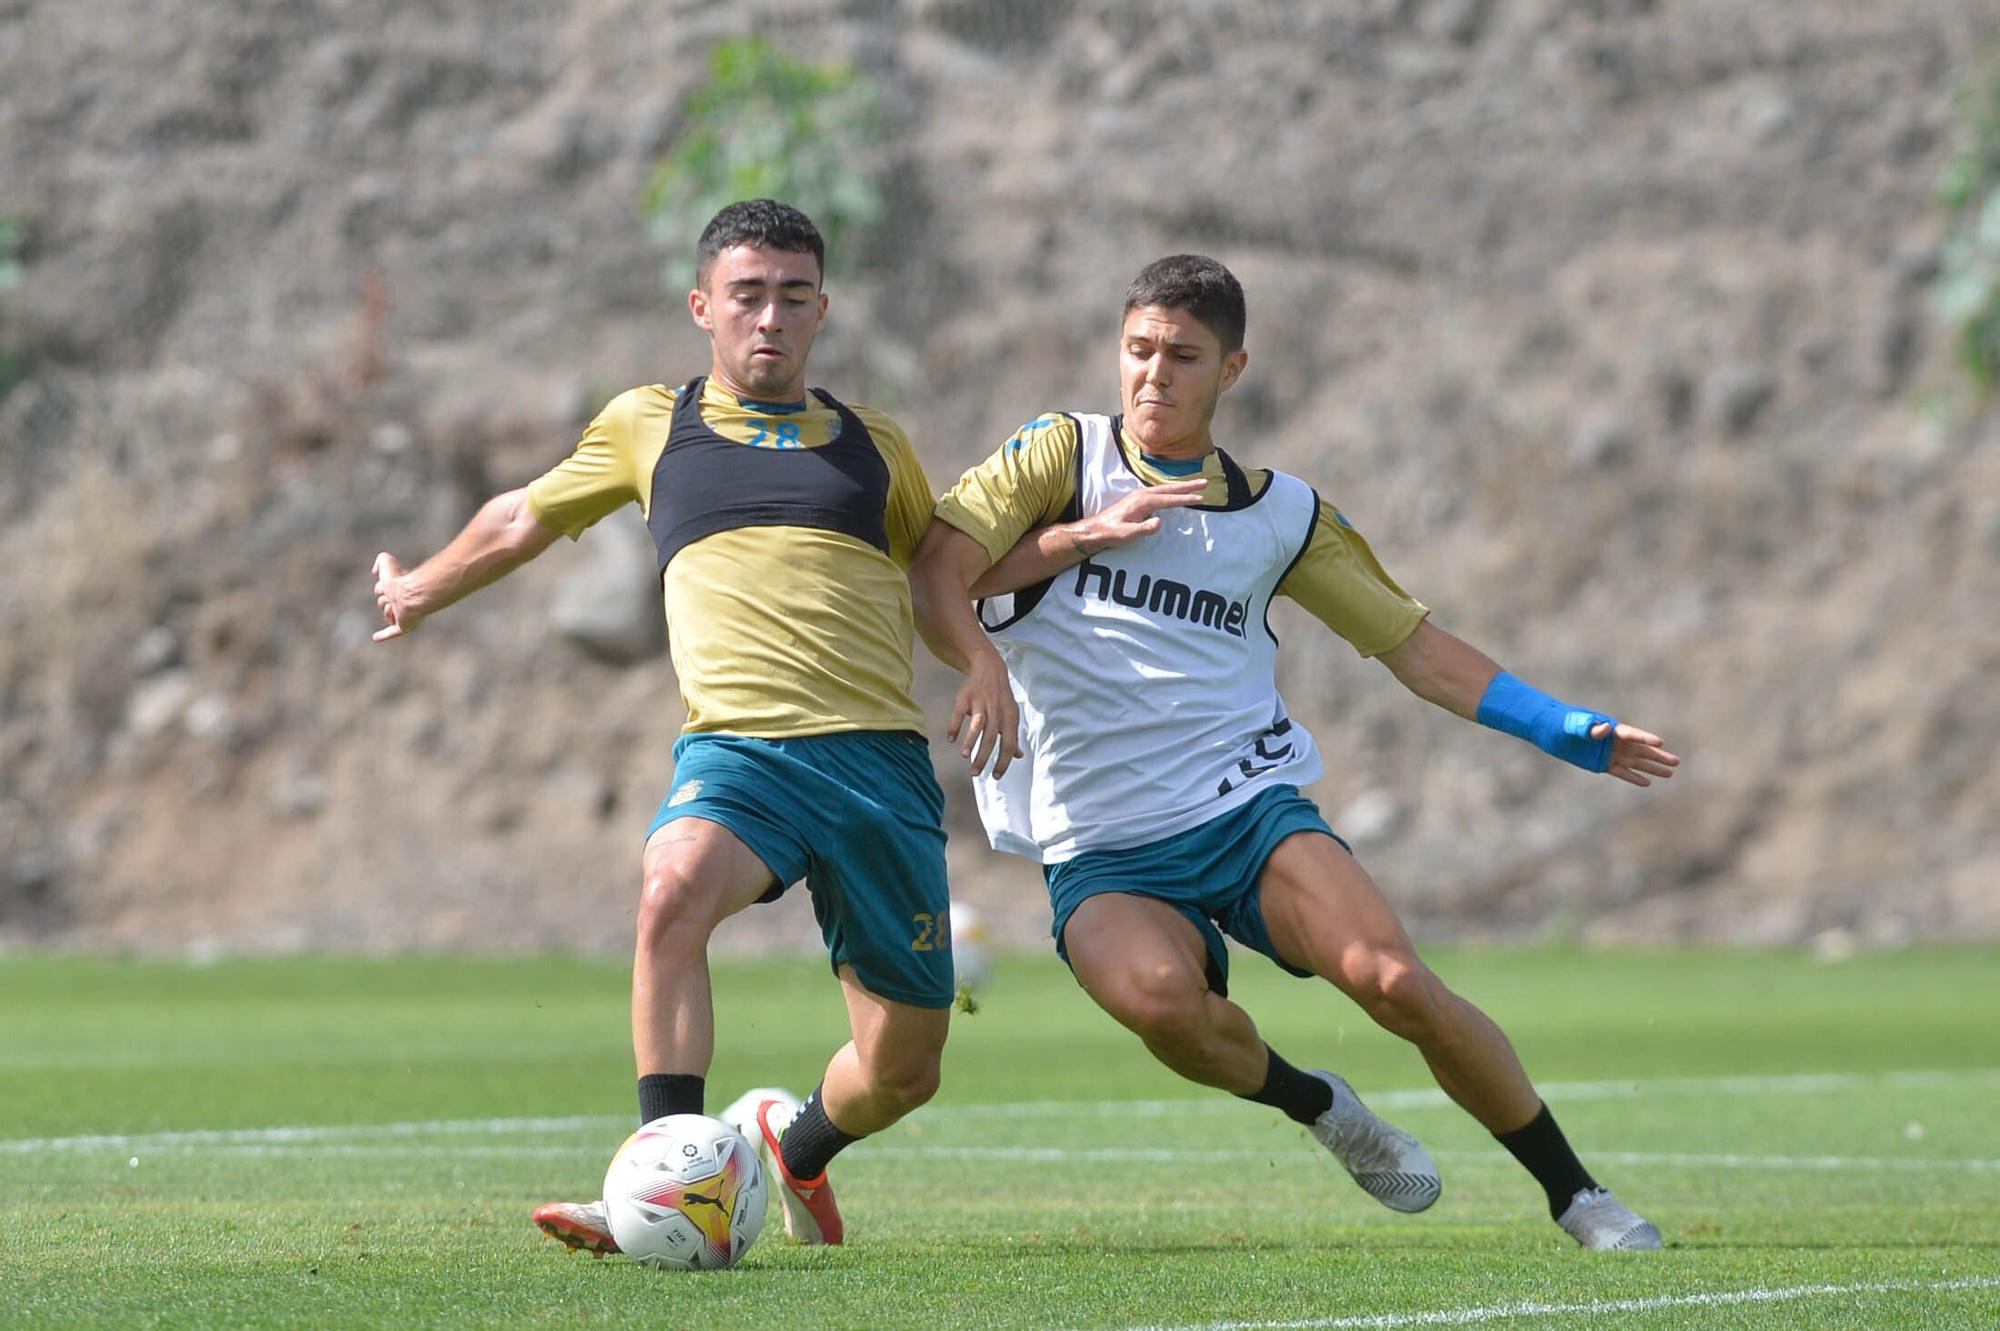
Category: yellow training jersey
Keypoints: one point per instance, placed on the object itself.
(1032, 478)
(774, 631)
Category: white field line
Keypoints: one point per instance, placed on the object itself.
(1559, 1092)
(1667, 1160)
(1556, 1092)
(315, 1133)
(373, 1151)
(1733, 1160)
(1595, 1308)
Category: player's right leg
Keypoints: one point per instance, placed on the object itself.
(696, 873)
(1149, 966)
(1146, 964)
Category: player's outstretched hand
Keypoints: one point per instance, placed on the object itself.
(391, 595)
(985, 714)
(1136, 515)
(1638, 755)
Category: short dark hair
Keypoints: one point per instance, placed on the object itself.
(1197, 284)
(765, 222)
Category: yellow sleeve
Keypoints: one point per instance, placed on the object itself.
(1339, 581)
(1026, 484)
(597, 478)
(910, 497)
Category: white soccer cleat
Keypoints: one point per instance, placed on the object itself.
(1386, 1161)
(742, 1116)
(1598, 1220)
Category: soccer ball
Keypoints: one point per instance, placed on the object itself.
(971, 947)
(685, 1193)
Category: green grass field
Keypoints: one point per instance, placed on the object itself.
(335, 1143)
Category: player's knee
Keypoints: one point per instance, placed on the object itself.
(1401, 994)
(918, 1085)
(1162, 1005)
(672, 913)
(905, 1082)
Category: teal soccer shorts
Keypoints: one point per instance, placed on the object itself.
(859, 816)
(1208, 873)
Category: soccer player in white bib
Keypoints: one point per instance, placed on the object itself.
(1121, 715)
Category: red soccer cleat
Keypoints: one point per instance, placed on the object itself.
(582, 1225)
(810, 1213)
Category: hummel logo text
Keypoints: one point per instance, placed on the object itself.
(1163, 597)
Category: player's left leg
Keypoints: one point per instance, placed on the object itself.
(879, 891)
(891, 1065)
(887, 1069)
(1326, 915)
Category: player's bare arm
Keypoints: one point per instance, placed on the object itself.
(1446, 670)
(985, 721)
(503, 535)
(1047, 551)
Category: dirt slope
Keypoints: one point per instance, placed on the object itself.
(1605, 320)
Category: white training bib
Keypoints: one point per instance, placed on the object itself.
(1146, 674)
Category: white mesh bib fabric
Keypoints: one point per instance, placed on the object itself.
(1146, 674)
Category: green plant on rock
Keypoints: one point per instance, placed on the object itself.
(1968, 281)
(767, 125)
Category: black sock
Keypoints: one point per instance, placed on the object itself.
(1544, 1152)
(812, 1140)
(1301, 1095)
(664, 1093)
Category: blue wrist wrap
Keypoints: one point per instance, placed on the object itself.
(1556, 728)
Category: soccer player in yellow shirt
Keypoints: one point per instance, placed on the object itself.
(784, 521)
(1156, 770)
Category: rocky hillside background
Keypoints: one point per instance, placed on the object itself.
(1607, 320)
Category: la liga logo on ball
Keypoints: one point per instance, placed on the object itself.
(686, 1193)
